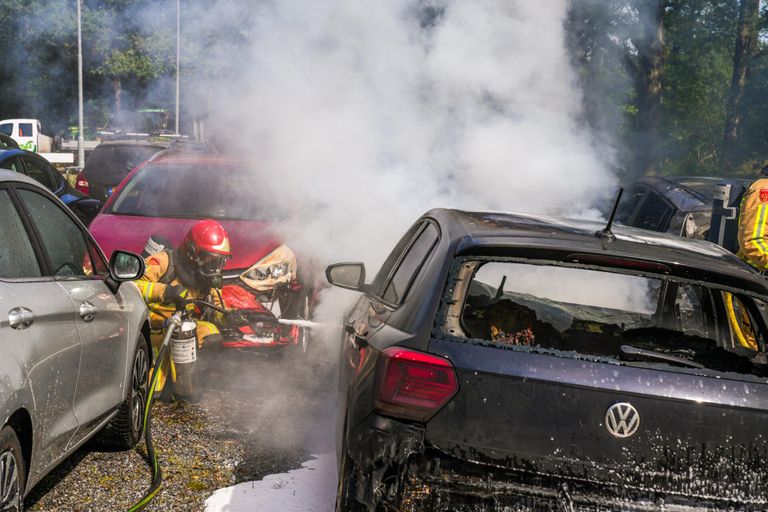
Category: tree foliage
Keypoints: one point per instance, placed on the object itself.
(699, 50)
(125, 42)
(670, 86)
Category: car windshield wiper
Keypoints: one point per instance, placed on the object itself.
(630, 353)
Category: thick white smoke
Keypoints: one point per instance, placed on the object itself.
(363, 115)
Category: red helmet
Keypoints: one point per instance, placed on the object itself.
(207, 244)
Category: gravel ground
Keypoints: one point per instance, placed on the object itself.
(258, 416)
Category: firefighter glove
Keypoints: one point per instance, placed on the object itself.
(175, 294)
(241, 318)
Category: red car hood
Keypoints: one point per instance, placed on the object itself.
(250, 240)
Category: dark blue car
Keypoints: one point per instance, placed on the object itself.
(38, 168)
(515, 362)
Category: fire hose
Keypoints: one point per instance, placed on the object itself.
(157, 473)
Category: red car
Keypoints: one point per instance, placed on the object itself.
(168, 193)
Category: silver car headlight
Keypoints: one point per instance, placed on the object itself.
(277, 267)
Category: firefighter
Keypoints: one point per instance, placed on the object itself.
(753, 218)
(191, 271)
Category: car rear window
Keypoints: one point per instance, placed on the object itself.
(116, 161)
(610, 317)
(196, 192)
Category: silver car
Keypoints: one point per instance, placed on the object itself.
(75, 357)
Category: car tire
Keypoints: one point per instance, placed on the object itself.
(124, 430)
(11, 463)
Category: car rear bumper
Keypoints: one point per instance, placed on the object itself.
(435, 481)
(398, 468)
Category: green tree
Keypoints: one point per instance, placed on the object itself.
(745, 48)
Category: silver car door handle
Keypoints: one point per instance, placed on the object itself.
(88, 311)
(20, 318)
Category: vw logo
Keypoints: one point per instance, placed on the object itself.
(622, 420)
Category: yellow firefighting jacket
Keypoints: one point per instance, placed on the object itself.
(152, 290)
(753, 217)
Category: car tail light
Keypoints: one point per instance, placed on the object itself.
(82, 184)
(413, 385)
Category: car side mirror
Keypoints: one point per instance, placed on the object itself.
(125, 266)
(346, 275)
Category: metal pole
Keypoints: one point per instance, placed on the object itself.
(80, 139)
(178, 59)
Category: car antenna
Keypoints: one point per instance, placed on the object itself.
(606, 233)
(500, 289)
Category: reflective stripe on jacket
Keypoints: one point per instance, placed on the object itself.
(753, 217)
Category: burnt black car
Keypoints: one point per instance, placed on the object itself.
(110, 162)
(680, 205)
(512, 362)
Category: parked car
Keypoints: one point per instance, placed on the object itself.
(169, 193)
(7, 142)
(515, 362)
(75, 358)
(680, 205)
(39, 169)
(110, 162)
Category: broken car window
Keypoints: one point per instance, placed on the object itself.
(598, 314)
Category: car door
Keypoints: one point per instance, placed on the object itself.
(389, 289)
(101, 319)
(40, 343)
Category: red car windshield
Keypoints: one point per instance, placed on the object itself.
(194, 191)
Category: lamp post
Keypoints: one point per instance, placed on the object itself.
(178, 59)
(80, 139)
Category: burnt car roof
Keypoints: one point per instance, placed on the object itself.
(488, 232)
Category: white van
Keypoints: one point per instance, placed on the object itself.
(28, 134)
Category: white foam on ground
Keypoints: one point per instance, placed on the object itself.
(311, 488)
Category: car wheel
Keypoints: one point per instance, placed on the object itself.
(125, 429)
(12, 472)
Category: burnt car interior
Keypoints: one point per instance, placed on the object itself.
(609, 316)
